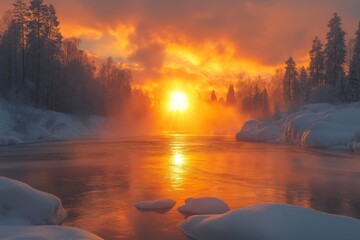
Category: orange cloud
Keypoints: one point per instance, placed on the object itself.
(203, 42)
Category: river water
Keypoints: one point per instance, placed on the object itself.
(99, 180)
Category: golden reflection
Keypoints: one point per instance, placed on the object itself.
(177, 166)
(178, 159)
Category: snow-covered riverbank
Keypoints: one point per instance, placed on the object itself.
(315, 126)
(21, 122)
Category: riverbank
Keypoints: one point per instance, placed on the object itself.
(20, 123)
(314, 126)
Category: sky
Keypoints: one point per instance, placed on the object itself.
(200, 42)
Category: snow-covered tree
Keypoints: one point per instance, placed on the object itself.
(317, 65)
(353, 87)
(290, 78)
(335, 52)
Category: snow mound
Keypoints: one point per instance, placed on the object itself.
(272, 222)
(205, 205)
(315, 126)
(21, 204)
(44, 233)
(157, 204)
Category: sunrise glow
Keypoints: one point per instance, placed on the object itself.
(178, 102)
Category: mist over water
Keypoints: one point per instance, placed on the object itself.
(137, 119)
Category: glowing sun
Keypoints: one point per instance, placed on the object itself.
(178, 102)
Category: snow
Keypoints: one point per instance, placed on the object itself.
(44, 233)
(272, 222)
(22, 207)
(22, 122)
(156, 204)
(315, 125)
(205, 205)
(20, 201)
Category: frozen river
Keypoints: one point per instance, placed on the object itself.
(99, 180)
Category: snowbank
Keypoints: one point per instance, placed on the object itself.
(316, 126)
(205, 205)
(272, 222)
(21, 122)
(44, 233)
(157, 204)
(22, 204)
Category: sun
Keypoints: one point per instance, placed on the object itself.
(178, 102)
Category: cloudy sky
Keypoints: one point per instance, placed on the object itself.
(201, 39)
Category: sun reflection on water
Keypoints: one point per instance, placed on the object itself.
(178, 159)
(177, 165)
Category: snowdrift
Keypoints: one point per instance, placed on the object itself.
(21, 122)
(272, 222)
(315, 126)
(24, 209)
(23, 204)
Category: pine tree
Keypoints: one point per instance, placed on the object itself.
(304, 86)
(265, 106)
(53, 39)
(44, 44)
(213, 97)
(230, 97)
(7, 55)
(353, 88)
(290, 78)
(35, 41)
(20, 14)
(335, 53)
(316, 67)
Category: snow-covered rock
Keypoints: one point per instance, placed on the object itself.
(44, 233)
(205, 205)
(22, 122)
(315, 125)
(21, 204)
(22, 207)
(156, 204)
(272, 222)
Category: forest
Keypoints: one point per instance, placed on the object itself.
(39, 67)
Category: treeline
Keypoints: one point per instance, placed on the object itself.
(326, 79)
(257, 97)
(39, 67)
